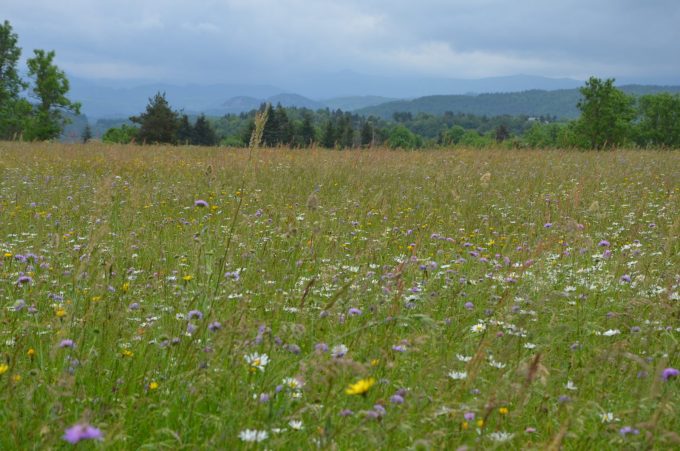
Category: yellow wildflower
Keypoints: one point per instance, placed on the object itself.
(153, 385)
(16, 378)
(503, 410)
(465, 425)
(8, 254)
(480, 423)
(360, 387)
(126, 287)
(127, 353)
(3, 368)
(60, 312)
(187, 278)
(30, 353)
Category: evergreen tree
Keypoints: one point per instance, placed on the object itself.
(307, 133)
(159, 123)
(185, 132)
(50, 89)
(329, 136)
(502, 133)
(87, 134)
(367, 134)
(204, 135)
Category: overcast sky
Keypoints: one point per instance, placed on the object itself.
(270, 41)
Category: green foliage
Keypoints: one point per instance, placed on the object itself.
(402, 138)
(203, 133)
(659, 120)
(606, 114)
(87, 134)
(124, 134)
(13, 110)
(50, 87)
(159, 123)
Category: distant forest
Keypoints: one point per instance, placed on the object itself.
(607, 117)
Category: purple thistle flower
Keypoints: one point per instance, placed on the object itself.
(625, 278)
(669, 373)
(548, 225)
(191, 328)
(200, 203)
(134, 306)
(469, 416)
(354, 311)
(67, 343)
(604, 243)
(469, 305)
(79, 432)
(214, 326)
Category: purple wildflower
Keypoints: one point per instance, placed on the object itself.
(469, 305)
(354, 311)
(214, 326)
(79, 432)
(669, 373)
(625, 278)
(469, 416)
(399, 348)
(195, 314)
(548, 225)
(134, 306)
(67, 343)
(628, 430)
(346, 413)
(604, 243)
(397, 399)
(321, 347)
(200, 203)
(24, 279)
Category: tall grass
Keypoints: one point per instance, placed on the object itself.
(522, 299)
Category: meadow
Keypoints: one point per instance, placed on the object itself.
(196, 298)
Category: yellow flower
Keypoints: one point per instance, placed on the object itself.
(127, 353)
(465, 425)
(16, 378)
(126, 286)
(360, 387)
(187, 278)
(96, 298)
(503, 410)
(3, 368)
(8, 254)
(60, 312)
(375, 362)
(480, 423)
(30, 353)
(153, 385)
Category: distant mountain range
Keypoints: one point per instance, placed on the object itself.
(561, 103)
(348, 91)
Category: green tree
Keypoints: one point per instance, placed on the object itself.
(159, 123)
(307, 132)
(659, 120)
(185, 132)
(124, 134)
(606, 114)
(87, 133)
(50, 87)
(402, 138)
(14, 111)
(453, 135)
(367, 134)
(203, 135)
(329, 136)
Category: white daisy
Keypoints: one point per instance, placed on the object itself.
(257, 361)
(295, 425)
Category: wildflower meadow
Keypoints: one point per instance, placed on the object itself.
(193, 298)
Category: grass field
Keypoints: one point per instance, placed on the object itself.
(186, 298)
